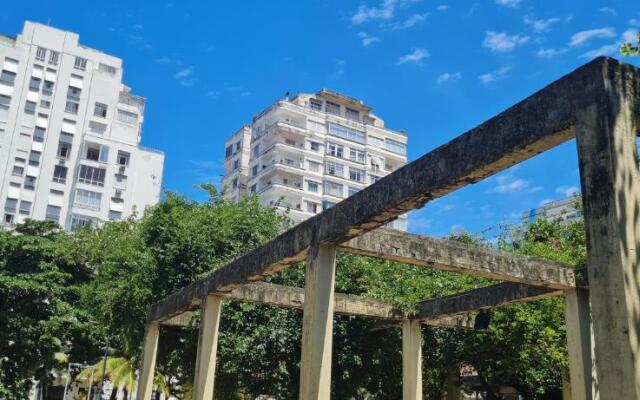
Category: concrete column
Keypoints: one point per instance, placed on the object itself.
(411, 360)
(578, 344)
(147, 369)
(203, 384)
(317, 323)
(606, 139)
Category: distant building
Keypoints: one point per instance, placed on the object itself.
(70, 133)
(564, 210)
(306, 154)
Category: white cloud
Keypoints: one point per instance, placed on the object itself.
(493, 76)
(634, 22)
(501, 42)
(185, 76)
(550, 52)
(541, 25)
(580, 38)
(448, 77)
(442, 7)
(608, 49)
(384, 11)
(567, 191)
(410, 22)
(506, 183)
(367, 39)
(608, 10)
(629, 36)
(509, 3)
(416, 56)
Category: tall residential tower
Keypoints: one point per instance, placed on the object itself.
(70, 133)
(308, 153)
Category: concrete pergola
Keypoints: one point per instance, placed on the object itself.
(599, 105)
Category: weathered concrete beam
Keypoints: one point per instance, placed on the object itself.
(538, 123)
(293, 297)
(482, 298)
(451, 256)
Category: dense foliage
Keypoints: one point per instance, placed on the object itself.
(61, 295)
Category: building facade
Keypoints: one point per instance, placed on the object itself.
(563, 210)
(70, 133)
(304, 155)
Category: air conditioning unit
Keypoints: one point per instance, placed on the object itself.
(122, 169)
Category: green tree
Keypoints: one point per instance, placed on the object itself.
(629, 50)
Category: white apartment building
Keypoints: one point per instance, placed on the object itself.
(306, 154)
(70, 133)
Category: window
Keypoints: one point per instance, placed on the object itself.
(312, 187)
(53, 213)
(312, 207)
(11, 206)
(25, 207)
(253, 188)
(30, 107)
(72, 107)
(332, 168)
(18, 167)
(290, 142)
(64, 148)
(123, 158)
(374, 178)
(4, 107)
(254, 171)
(238, 145)
(100, 110)
(107, 68)
(73, 93)
(315, 104)
(335, 150)
(375, 166)
(80, 63)
(356, 174)
(79, 221)
(41, 53)
(115, 215)
(30, 183)
(38, 135)
(236, 164)
(47, 89)
(314, 146)
(34, 84)
(395, 146)
(228, 152)
(34, 158)
(332, 107)
(96, 152)
(87, 199)
(352, 190)
(53, 57)
(60, 174)
(45, 104)
(376, 142)
(356, 155)
(314, 166)
(7, 77)
(332, 188)
(8, 218)
(352, 114)
(256, 150)
(327, 204)
(127, 117)
(346, 133)
(97, 127)
(92, 175)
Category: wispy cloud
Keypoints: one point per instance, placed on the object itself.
(608, 10)
(567, 191)
(509, 3)
(415, 57)
(448, 77)
(541, 25)
(502, 42)
(634, 22)
(550, 52)
(367, 39)
(627, 36)
(493, 76)
(442, 7)
(383, 12)
(582, 37)
(185, 76)
(410, 22)
(509, 184)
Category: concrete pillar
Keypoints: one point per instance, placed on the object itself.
(317, 323)
(606, 139)
(411, 360)
(203, 384)
(147, 369)
(578, 344)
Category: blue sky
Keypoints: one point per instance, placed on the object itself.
(434, 69)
